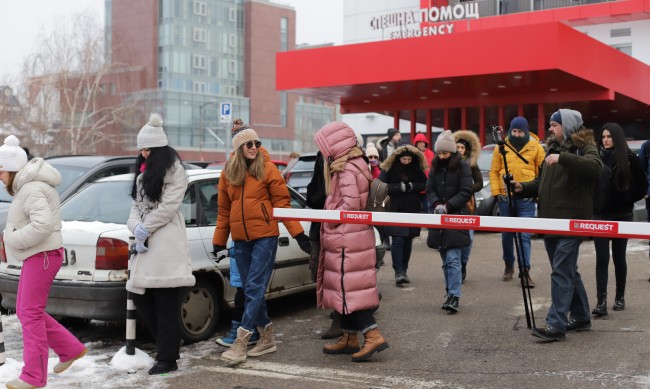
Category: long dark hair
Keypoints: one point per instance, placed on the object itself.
(159, 161)
(454, 162)
(620, 152)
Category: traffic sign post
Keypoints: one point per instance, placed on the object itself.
(225, 110)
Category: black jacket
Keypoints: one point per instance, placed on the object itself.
(316, 195)
(449, 185)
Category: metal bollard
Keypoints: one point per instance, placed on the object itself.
(130, 307)
(2, 344)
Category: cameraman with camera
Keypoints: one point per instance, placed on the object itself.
(519, 139)
(565, 189)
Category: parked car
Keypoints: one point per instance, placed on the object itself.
(91, 282)
(76, 172)
(639, 213)
(300, 174)
(486, 204)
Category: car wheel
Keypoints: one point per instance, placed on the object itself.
(495, 209)
(199, 311)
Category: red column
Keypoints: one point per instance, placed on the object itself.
(396, 119)
(481, 124)
(445, 119)
(541, 122)
(501, 116)
(429, 124)
(413, 122)
(520, 110)
(463, 118)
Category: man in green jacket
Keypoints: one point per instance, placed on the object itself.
(565, 189)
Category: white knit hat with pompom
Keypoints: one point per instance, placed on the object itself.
(12, 156)
(152, 134)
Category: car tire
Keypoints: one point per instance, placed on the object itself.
(199, 311)
(495, 209)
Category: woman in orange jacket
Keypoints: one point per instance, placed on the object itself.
(249, 188)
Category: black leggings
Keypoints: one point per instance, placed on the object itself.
(619, 246)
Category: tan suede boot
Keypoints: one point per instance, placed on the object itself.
(266, 344)
(373, 343)
(508, 272)
(348, 343)
(237, 352)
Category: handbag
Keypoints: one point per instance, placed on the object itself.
(442, 238)
(378, 194)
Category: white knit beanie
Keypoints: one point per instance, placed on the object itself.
(242, 133)
(445, 142)
(152, 134)
(12, 156)
(372, 151)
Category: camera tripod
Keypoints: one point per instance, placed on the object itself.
(497, 133)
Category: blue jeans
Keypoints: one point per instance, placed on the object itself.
(524, 208)
(401, 253)
(567, 290)
(465, 251)
(255, 260)
(452, 270)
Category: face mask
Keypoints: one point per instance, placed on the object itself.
(374, 162)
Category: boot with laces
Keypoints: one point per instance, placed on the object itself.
(266, 344)
(229, 339)
(508, 272)
(373, 343)
(348, 343)
(237, 352)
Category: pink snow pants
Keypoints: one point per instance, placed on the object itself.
(40, 331)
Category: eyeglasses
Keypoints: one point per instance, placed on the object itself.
(250, 144)
(372, 157)
(145, 150)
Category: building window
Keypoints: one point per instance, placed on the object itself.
(283, 109)
(619, 32)
(198, 87)
(200, 35)
(284, 34)
(624, 47)
(199, 62)
(232, 14)
(200, 8)
(232, 40)
(232, 66)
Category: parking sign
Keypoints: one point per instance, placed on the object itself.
(226, 112)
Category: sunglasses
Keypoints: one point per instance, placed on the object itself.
(373, 157)
(250, 144)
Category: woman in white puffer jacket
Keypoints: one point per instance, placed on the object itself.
(33, 235)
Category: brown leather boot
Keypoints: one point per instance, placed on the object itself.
(373, 343)
(348, 343)
(508, 272)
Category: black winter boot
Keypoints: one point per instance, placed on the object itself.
(452, 306)
(619, 303)
(601, 307)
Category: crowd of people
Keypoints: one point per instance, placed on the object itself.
(557, 180)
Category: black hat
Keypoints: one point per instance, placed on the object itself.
(391, 132)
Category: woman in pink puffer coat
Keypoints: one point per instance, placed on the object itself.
(347, 282)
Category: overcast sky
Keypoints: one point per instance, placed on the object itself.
(22, 20)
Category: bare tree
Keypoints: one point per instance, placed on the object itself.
(70, 89)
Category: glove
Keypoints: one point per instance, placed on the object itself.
(303, 242)
(402, 186)
(216, 248)
(140, 247)
(440, 208)
(140, 232)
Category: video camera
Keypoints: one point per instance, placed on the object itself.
(498, 133)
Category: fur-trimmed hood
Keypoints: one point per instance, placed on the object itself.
(386, 165)
(474, 142)
(579, 139)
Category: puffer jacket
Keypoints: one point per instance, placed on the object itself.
(246, 211)
(346, 280)
(167, 263)
(471, 156)
(450, 187)
(533, 152)
(565, 189)
(34, 218)
(428, 154)
(394, 174)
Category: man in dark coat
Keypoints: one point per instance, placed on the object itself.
(565, 190)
